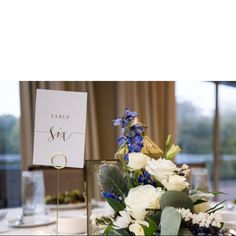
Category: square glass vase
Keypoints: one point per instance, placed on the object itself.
(97, 206)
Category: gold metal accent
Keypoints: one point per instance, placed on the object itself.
(56, 155)
(150, 148)
(58, 167)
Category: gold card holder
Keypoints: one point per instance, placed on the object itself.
(58, 165)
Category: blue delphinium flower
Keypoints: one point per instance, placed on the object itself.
(110, 195)
(135, 144)
(122, 140)
(124, 121)
(196, 230)
(132, 134)
(136, 129)
(121, 122)
(145, 178)
(130, 115)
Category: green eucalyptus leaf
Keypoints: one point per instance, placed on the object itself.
(170, 221)
(118, 232)
(176, 199)
(115, 205)
(111, 179)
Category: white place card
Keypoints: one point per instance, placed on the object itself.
(60, 120)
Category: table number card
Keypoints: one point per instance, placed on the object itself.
(60, 120)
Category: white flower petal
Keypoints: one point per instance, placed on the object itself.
(141, 198)
(123, 220)
(175, 182)
(136, 228)
(161, 168)
(137, 161)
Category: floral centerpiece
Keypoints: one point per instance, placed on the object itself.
(150, 195)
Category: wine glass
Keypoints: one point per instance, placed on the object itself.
(200, 179)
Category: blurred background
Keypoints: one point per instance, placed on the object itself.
(200, 115)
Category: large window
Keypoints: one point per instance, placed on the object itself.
(195, 117)
(196, 130)
(9, 144)
(227, 117)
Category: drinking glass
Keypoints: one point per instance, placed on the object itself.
(200, 179)
(3, 213)
(33, 193)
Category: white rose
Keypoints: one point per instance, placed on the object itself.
(161, 168)
(136, 228)
(123, 220)
(175, 182)
(137, 161)
(141, 198)
(202, 207)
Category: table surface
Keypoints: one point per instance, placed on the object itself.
(39, 230)
(51, 229)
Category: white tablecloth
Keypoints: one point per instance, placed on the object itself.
(229, 217)
(42, 230)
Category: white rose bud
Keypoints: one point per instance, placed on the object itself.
(173, 151)
(202, 207)
(137, 161)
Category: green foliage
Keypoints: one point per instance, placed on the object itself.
(104, 221)
(176, 199)
(115, 205)
(118, 232)
(9, 135)
(215, 193)
(155, 216)
(152, 227)
(215, 208)
(107, 230)
(170, 221)
(227, 169)
(195, 131)
(199, 201)
(195, 134)
(228, 133)
(67, 197)
(111, 179)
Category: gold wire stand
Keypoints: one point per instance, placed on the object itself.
(58, 167)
